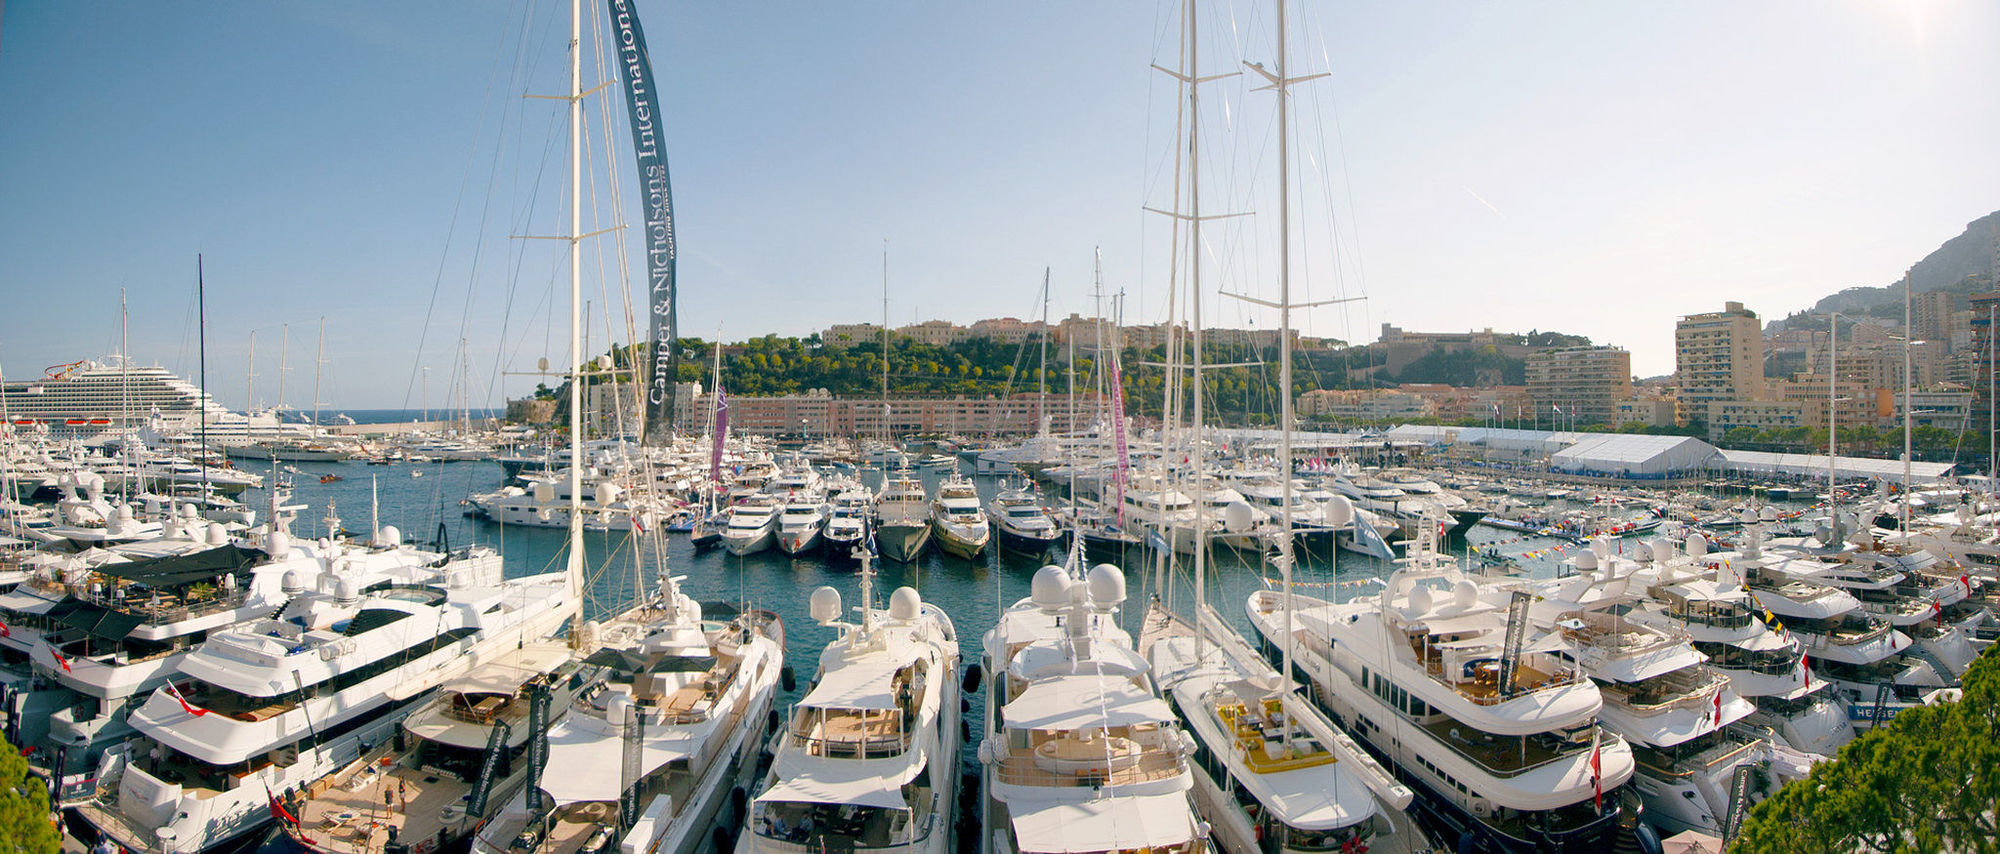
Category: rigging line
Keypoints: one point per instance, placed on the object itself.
(451, 229)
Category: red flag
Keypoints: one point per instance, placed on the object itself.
(1967, 581)
(190, 708)
(59, 658)
(1718, 707)
(278, 810)
(1596, 775)
(1805, 665)
(5, 632)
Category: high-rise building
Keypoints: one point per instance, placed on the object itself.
(1718, 356)
(1985, 308)
(1579, 385)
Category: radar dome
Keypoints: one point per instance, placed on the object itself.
(1420, 599)
(545, 492)
(1107, 584)
(824, 605)
(1697, 545)
(1769, 514)
(1663, 548)
(277, 543)
(294, 582)
(1050, 588)
(389, 536)
(218, 535)
(1600, 546)
(1465, 594)
(1339, 511)
(1586, 561)
(1238, 517)
(607, 493)
(905, 604)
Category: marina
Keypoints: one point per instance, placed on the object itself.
(1186, 572)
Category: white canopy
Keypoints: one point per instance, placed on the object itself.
(581, 747)
(507, 674)
(1084, 700)
(1104, 824)
(833, 783)
(860, 685)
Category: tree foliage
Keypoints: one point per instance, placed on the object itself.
(1928, 780)
(24, 808)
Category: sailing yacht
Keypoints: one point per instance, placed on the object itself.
(1080, 753)
(1501, 740)
(902, 517)
(869, 761)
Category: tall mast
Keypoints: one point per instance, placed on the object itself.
(1280, 82)
(1042, 372)
(284, 360)
(1832, 424)
(1194, 330)
(885, 351)
(201, 347)
(250, 377)
(1909, 410)
(575, 565)
(318, 361)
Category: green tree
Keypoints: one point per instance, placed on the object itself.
(24, 807)
(1927, 780)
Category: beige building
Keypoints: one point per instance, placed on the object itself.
(1718, 356)
(1006, 329)
(936, 333)
(841, 336)
(1365, 406)
(1585, 383)
(817, 415)
(1649, 412)
(1760, 415)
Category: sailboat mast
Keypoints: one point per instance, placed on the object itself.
(1042, 348)
(250, 377)
(201, 347)
(885, 350)
(575, 564)
(319, 361)
(1909, 410)
(1285, 556)
(284, 360)
(1194, 329)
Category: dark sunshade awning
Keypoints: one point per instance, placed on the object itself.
(177, 570)
(102, 622)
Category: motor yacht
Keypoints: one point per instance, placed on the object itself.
(960, 523)
(902, 517)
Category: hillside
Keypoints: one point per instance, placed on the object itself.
(1964, 264)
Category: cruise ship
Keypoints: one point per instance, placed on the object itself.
(92, 396)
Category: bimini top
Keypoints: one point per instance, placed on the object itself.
(1084, 700)
(840, 783)
(862, 685)
(1103, 824)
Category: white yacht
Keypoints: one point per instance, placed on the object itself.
(847, 524)
(962, 529)
(1080, 753)
(668, 724)
(1505, 751)
(753, 524)
(1659, 694)
(869, 761)
(801, 520)
(1022, 523)
(284, 701)
(1312, 787)
(452, 763)
(1861, 654)
(902, 517)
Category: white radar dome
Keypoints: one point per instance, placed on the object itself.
(1050, 588)
(905, 604)
(1238, 517)
(824, 605)
(1107, 584)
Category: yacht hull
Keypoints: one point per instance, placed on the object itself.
(903, 542)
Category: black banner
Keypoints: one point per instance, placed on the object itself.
(538, 744)
(1881, 703)
(1517, 633)
(629, 770)
(1739, 800)
(496, 747)
(650, 153)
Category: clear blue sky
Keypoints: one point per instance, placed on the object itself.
(1592, 168)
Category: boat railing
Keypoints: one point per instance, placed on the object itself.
(1504, 755)
(1681, 689)
(1735, 618)
(1107, 760)
(1665, 764)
